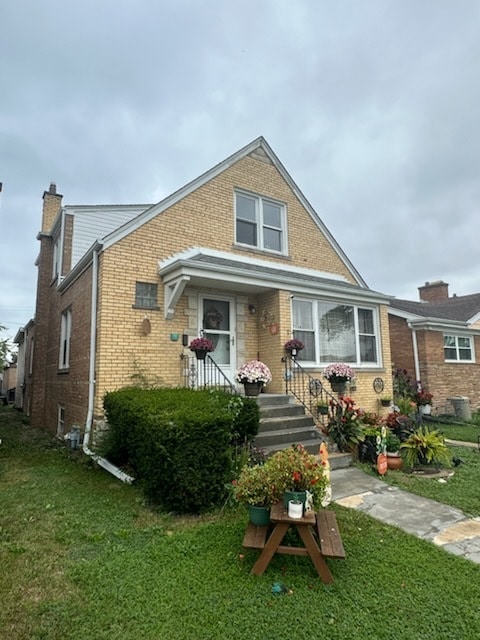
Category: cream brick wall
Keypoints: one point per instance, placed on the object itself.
(204, 218)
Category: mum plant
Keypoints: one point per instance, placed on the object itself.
(339, 372)
(293, 345)
(254, 486)
(422, 397)
(253, 371)
(201, 344)
(294, 469)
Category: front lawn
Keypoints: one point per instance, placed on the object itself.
(83, 556)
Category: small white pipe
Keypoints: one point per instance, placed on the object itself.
(102, 462)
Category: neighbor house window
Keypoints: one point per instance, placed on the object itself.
(146, 295)
(333, 332)
(65, 336)
(458, 348)
(260, 222)
(56, 259)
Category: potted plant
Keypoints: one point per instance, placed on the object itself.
(255, 489)
(345, 426)
(392, 443)
(200, 347)
(423, 400)
(293, 346)
(322, 408)
(425, 447)
(294, 472)
(338, 374)
(385, 401)
(254, 375)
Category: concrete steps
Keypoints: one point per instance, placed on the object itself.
(284, 422)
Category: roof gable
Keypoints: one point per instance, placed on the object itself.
(259, 150)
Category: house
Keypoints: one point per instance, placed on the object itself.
(238, 255)
(436, 339)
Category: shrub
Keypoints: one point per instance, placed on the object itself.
(178, 442)
(425, 447)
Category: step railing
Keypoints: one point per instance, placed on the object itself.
(205, 374)
(308, 390)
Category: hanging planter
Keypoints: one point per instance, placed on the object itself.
(200, 347)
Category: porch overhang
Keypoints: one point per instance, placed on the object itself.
(205, 268)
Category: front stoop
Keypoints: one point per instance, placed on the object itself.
(284, 422)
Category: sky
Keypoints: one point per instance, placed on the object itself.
(372, 106)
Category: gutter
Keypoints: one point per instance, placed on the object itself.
(415, 351)
(102, 462)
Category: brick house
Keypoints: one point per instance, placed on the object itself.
(436, 339)
(237, 255)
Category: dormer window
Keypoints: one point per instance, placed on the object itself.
(260, 222)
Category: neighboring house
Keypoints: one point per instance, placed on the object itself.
(237, 255)
(437, 340)
(25, 341)
(9, 382)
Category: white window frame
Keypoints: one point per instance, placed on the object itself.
(315, 317)
(65, 339)
(56, 258)
(457, 348)
(259, 222)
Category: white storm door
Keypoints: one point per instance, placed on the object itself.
(217, 323)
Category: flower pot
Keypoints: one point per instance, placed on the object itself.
(338, 387)
(201, 354)
(386, 403)
(394, 461)
(259, 516)
(252, 388)
(323, 409)
(426, 409)
(300, 496)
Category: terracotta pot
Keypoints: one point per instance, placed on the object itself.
(394, 461)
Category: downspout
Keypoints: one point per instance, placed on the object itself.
(102, 462)
(415, 352)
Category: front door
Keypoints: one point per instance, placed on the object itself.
(217, 323)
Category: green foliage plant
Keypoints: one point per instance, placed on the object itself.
(425, 447)
(345, 426)
(254, 486)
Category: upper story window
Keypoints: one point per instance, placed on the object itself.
(458, 348)
(146, 295)
(65, 337)
(260, 222)
(334, 332)
(56, 259)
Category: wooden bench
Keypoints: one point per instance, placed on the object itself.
(331, 543)
(255, 536)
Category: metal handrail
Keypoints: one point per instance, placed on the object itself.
(309, 391)
(205, 374)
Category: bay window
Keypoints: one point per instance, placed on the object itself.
(333, 332)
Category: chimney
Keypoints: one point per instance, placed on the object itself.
(52, 202)
(434, 291)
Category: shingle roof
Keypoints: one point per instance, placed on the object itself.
(460, 308)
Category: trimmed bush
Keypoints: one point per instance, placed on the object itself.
(177, 442)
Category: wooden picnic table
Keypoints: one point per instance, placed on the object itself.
(318, 532)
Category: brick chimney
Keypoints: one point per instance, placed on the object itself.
(434, 291)
(52, 202)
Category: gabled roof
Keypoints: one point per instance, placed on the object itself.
(461, 308)
(258, 145)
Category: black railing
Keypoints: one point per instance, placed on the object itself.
(309, 391)
(205, 374)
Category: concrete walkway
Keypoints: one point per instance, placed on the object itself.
(445, 526)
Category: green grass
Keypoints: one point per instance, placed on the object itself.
(82, 556)
(464, 432)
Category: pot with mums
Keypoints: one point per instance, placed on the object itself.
(338, 374)
(254, 375)
(200, 347)
(293, 346)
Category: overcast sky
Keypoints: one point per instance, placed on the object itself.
(372, 106)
